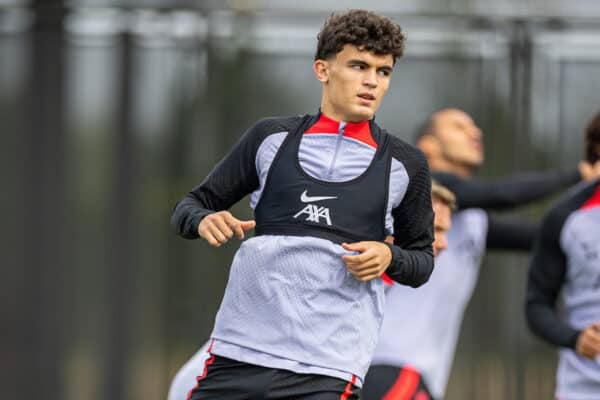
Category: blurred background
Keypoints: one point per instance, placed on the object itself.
(110, 111)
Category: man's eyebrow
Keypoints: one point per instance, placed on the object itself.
(358, 62)
(364, 63)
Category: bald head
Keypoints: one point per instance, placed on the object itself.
(452, 142)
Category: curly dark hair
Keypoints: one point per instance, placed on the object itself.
(592, 140)
(364, 29)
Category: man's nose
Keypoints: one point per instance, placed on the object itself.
(370, 79)
(476, 132)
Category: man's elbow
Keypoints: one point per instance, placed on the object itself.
(531, 310)
(414, 274)
(424, 274)
(536, 313)
(179, 222)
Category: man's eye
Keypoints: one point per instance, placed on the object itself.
(357, 66)
(384, 72)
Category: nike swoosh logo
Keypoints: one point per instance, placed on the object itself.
(309, 199)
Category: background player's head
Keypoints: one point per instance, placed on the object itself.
(443, 202)
(452, 142)
(592, 140)
(355, 56)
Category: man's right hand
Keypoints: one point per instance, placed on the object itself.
(588, 342)
(217, 228)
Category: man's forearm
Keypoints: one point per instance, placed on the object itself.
(512, 191)
(187, 215)
(410, 267)
(510, 233)
(544, 322)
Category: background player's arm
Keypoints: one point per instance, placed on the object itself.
(546, 276)
(513, 233)
(509, 192)
(510, 233)
(231, 179)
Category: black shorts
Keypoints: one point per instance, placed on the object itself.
(227, 379)
(394, 383)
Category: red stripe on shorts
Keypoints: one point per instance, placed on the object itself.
(207, 362)
(422, 395)
(405, 386)
(348, 391)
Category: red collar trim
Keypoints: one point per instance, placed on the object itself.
(593, 201)
(358, 131)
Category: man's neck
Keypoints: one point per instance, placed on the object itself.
(440, 165)
(328, 117)
(331, 114)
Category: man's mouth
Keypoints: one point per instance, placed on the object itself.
(366, 96)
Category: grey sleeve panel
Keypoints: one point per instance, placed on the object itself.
(231, 179)
(412, 253)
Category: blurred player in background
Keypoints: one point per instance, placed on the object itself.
(566, 259)
(303, 304)
(419, 334)
(442, 201)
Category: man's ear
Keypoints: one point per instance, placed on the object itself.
(321, 69)
(429, 145)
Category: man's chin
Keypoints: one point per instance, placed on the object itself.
(478, 163)
(362, 112)
(475, 165)
(361, 116)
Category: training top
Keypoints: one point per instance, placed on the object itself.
(421, 327)
(567, 259)
(290, 302)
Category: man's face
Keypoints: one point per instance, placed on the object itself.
(459, 138)
(441, 225)
(354, 83)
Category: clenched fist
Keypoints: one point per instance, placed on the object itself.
(219, 227)
(588, 342)
(371, 262)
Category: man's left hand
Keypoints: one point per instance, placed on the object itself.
(371, 262)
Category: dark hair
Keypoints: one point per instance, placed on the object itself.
(592, 140)
(363, 29)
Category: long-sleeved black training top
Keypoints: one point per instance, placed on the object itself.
(435, 310)
(290, 301)
(520, 189)
(567, 258)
